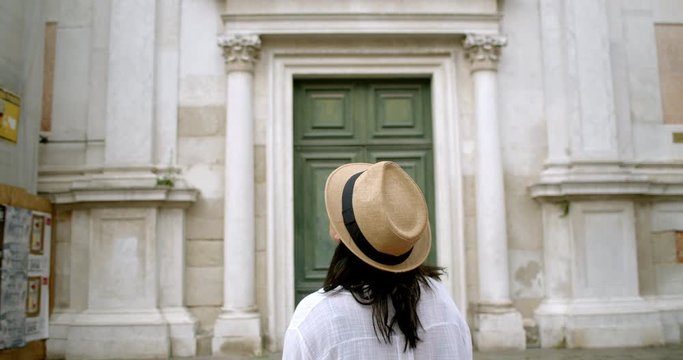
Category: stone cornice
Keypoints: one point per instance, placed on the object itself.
(649, 180)
(362, 23)
(483, 50)
(240, 51)
(122, 186)
(159, 195)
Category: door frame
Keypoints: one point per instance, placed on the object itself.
(283, 66)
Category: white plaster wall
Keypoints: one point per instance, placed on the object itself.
(524, 148)
(21, 72)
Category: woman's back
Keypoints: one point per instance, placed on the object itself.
(334, 325)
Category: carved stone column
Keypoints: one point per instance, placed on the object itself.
(238, 326)
(497, 323)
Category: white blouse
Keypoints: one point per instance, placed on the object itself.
(334, 326)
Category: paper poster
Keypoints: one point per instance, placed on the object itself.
(37, 234)
(10, 106)
(38, 282)
(17, 228)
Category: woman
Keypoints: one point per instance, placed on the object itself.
(379, 300)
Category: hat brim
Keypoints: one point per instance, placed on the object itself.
(333, 198)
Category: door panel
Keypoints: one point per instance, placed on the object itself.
(325, 114)
(313, 246)
(397, 111)
(337, 121)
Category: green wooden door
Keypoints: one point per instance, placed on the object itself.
(340, 121)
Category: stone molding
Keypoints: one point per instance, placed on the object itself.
(115, 186)
(241, 51)
(170, 197)
(286, 64)
(483, 50)
(362, 23)
(614, 179)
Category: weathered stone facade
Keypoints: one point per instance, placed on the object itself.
(559, 185)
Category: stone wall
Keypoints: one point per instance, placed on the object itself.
(21, 72)
(524, 148)
(201, 155)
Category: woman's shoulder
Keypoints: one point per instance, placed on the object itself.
(314, 303)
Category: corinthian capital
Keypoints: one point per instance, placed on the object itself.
(240, 51)
(483, 51)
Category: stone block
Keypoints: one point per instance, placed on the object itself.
(207, 178)
(210, 208)
(204, 345)
(204, 253)
(673, 327)
(667, 216)
(118, 342)
(551, 331)
(206, 315)
(204, 286)
(201, 120)
(497, 331)
(202, 90)
(200, 25)
(237, 334)
(669, 279)
(524, 224)
(201, 150)
(664, 247)
(199, 228)
(612, 330)
(61, 154)
(75, 13)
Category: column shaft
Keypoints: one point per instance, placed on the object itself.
(494, 288)
(239, 251)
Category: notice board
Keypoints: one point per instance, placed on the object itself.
(26, 226)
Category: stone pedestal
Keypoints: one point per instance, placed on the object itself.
(592, 296)
(599, 323)
(497, 324)
(498, 328)
(120, 274)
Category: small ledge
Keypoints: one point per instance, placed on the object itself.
(555, 187)
(166, 196)
(115, 186)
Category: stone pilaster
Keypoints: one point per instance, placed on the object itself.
(238, 327)
(497, 324)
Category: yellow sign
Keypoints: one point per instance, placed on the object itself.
(10, 106)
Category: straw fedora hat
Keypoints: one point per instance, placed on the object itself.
(380, 215)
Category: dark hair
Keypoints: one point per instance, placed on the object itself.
(374, 287)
